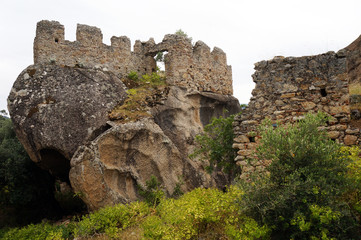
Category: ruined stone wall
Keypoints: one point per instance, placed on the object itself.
(194, 67)
(286, 89)
(89, 51)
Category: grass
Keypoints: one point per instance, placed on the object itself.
(145, 93)
(355, 89)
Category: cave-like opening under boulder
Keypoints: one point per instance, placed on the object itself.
(55, 162)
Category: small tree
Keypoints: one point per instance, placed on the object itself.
(300, 196)
(180, 32)
(215, 146)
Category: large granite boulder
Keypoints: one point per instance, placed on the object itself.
(112, 167)
(56, 109)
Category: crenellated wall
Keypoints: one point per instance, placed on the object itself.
(89, 51)
(194, 67)
(286, 89)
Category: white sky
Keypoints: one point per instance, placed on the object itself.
(247, 30)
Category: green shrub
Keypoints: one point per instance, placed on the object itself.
(353, 196)
(300, 195)
(215, 146)
(154, 79)
(111, 220)
(202, 213)
(41, 231)
(133, 75)
(152, 193)
(199, 214)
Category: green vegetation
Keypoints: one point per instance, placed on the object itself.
(202, 213)
(152, 194)
(311, 190)
(215, 146)
(142, 94)
(302, 194)
(26, 192)
(159, 57)
(355, 97)
(355, 89)
(180, 32)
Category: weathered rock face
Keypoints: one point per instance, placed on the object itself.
(56, 109)
(185, 112)
(110, 168)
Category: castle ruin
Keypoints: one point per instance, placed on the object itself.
(194, 67)
(288, 88)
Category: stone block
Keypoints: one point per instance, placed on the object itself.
(238, 146)
(239, 158)
(308, 105)
(279, 103)
(341, 127)
(288, 95)
(352, 131)
(245, 152)
(350, 140)
(339, 109)
(333, 134)
(241, 139)
(249, 122)
(242, 163)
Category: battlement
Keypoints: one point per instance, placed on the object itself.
(190, 66)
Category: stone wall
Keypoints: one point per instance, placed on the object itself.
(194, 67)
(89, 51)
(286, 89)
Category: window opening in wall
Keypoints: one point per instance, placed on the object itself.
(252, 139)
(160, 60)
(56, 40)
(323, 92)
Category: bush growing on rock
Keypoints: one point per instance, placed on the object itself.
(215, 146)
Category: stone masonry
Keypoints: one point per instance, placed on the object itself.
(286, 89)
(194, 67)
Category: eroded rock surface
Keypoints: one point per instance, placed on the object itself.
(56, 109)
(110, 168)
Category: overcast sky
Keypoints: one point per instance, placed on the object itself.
(247, 30)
